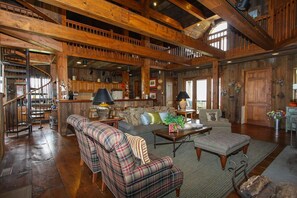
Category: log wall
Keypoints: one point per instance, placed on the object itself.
(232, 102)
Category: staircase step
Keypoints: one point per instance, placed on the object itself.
(17, 77)
(14, 64)
(23, 71)
(13, 55)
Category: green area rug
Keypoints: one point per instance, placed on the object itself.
(205, 178)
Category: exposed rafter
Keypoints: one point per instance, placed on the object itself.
(113, 14)
(245, 24)
(59, 32)
(188, 8)
(9, 41)
(133, 5)
(44, 42)
(36, 10)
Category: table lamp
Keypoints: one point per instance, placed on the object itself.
(103, 99)
(182, 96)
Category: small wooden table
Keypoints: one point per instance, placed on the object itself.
(110, 121)
(186, 113)
(183, 135)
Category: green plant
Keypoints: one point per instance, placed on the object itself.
(179, 120)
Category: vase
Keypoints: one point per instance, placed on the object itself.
(277, 126)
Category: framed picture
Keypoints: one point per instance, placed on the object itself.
(153, 95)
(153, 83)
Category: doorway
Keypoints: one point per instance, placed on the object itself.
(257, 96)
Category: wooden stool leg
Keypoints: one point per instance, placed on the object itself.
(198, 153)
(245, 148)
(94, 177)
(177, 192)
(223, 159)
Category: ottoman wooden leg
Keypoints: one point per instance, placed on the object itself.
(223, 159)
(245, 148)
(198, 153)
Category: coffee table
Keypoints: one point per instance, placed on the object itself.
(178, 137)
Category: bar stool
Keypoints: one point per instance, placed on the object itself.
(293, 120)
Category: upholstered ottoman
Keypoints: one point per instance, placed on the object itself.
(222, 144)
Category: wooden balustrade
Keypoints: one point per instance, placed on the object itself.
(284, 20)
(91, 52)
(19, 10)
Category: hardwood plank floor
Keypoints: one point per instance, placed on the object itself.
(50, 162)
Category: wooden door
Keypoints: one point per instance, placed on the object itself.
(137, 88)
(258, 96)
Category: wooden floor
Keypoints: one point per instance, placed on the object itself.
(50, 163)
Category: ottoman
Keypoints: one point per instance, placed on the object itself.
(222, 144)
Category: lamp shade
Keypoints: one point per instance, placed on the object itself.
(182, 95)
(102, 96)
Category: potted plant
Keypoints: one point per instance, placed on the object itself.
(174, 122)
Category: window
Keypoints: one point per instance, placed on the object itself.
(218, 36)
(201, 94)
(189, 90)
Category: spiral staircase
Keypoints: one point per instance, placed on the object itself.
(27, 89)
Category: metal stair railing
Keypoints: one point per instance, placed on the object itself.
(17, 111)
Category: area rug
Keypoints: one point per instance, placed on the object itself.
(284, 167)
(205, 178)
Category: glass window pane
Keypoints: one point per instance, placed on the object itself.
(201, 94)
(189, 90)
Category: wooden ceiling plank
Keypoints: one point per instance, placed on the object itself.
(133, 5)
(245, 24)
(36, 10)
(36, 58)
(6, 40)
(59, 32)
(113, 14)
(44, 42)
(188, 8)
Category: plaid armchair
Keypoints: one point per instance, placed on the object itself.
(86, 146)
(123, 173)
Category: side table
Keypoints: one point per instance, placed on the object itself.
(110, 121)
(186, 112)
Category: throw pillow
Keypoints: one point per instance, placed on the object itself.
(155, 118)
(254, 185)
(212, 116)
(163, 115)
(138, 147)
(145, 119)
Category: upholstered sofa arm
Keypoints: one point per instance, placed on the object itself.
(150, 169)
(223, 120)
(125, 126)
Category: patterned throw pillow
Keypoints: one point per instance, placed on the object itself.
(212, 116)
(155, 118)
(138, 146)
(145, 119)
(163, 115)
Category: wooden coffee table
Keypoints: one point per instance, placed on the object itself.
(178, 137)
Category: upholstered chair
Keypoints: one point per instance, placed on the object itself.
(87, 149)
(213, 118)
(128, 176)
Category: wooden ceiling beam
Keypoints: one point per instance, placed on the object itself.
(133, 5)
(38, 59)
(188, 8)
(8, 41)
(44, 42)
(243, 23)
(113, 14)
(62, 33)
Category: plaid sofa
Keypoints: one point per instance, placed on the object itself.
(123, 173)
(86, 146)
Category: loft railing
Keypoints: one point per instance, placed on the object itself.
(19, 10)
(284, 20)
